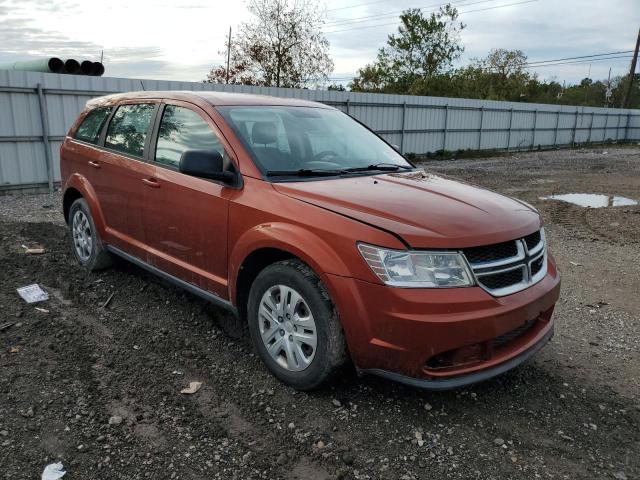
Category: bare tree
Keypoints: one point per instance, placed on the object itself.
(283, 46)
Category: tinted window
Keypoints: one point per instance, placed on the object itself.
(128, 129)
(183, 129)
(90, 128)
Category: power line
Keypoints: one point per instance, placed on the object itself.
(466, 11)
(578, 61)
(546, 63)
(356, 5)
(397, 12)
(580, 57)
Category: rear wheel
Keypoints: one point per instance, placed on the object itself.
(85, 240)
(294, 325)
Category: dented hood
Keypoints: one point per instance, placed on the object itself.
(426, 211)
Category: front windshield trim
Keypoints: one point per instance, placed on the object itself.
(331, 175)
(358, 149)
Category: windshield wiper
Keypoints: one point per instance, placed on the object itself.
(304, 172)
(387, 167)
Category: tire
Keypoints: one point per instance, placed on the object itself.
(297, 364)
(86, 245)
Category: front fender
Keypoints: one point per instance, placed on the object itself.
(82, 185)
(296, 240)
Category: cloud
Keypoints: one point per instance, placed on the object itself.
(21, 39)
(172, 40)
(542, 30)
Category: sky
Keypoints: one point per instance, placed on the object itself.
(182, 40)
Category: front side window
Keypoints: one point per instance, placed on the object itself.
(90, 128)
(128, 129)
(312, 140)
(183, 129)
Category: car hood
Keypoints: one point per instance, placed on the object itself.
(425, 210)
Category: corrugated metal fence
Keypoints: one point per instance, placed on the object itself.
(37, 109)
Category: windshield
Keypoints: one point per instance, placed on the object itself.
(307, 141)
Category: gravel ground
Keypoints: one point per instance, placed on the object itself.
(96, 385)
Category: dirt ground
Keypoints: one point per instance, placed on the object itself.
(96, 384)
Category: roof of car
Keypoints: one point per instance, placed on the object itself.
(213, 98)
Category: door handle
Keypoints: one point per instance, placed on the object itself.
(94, 164)
(151, 182)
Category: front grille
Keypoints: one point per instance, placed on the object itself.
(491, 253)
(502, 280)
(508, 267)
(532, 240)
(537, 265)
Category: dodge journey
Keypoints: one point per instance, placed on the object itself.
(320, 236)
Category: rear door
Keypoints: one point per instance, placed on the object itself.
(82, 153)
(186, 226)
(123, 177)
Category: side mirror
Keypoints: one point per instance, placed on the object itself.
(396, 147)
(205, 164)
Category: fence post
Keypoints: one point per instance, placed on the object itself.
(446, 120)
(481, 125)
(404, 116)
(510, 124)
(347, 102)
(590, 128)
(606, 124)
(618, 128)
(575, 127)
(44, 122)
(555, 132)
(535, 125)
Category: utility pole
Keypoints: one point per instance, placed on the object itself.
(101, 56)
(228, 53)
(587, 86)
(608, 92)
(632, 73)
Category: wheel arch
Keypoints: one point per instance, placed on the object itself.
(79, 187)
(71, 194)
(264, 245)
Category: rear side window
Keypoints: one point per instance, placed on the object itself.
(128, 129)
(183, 129)
(90, 128)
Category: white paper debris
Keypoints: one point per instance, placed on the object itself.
(192, 388)
(33, 293)
(53, 471)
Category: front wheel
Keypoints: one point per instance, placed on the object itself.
(294, 325)
(85, 240)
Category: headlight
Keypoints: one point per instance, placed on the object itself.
(416, 269)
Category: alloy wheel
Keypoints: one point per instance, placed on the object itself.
(287, 328)
(82, 235)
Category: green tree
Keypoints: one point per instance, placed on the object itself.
(283, 46)
(423, 47)
(336, 87)
(502, 75)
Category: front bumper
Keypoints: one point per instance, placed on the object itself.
(443, 338)
(468, 379)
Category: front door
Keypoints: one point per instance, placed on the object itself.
(187, 224)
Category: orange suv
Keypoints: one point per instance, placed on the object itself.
(313, 230)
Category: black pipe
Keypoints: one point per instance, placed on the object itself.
(71, 66)
(98, 69)
(86, 68)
